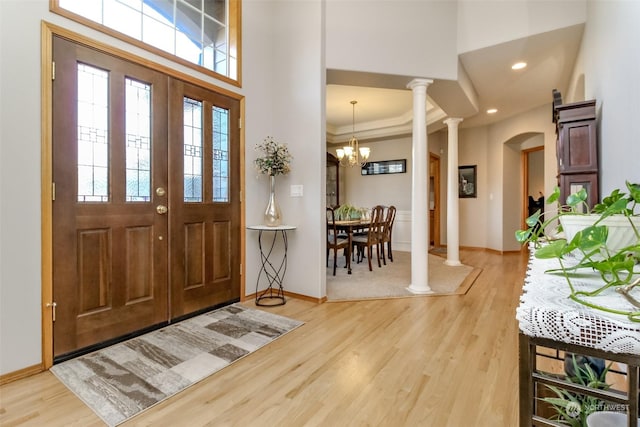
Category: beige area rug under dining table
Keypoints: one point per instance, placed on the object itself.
(392, 280)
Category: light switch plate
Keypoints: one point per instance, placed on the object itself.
(296, 190)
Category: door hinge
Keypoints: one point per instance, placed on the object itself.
(241, 269)
(53, 70)
(240, 123)
(53, 191)
(53, 306)
(240, 196)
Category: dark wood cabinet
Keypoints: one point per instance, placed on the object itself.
(577, 148)
(333, 181)
(572, 183)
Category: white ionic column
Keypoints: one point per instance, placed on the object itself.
(453, 218)
(419, 190)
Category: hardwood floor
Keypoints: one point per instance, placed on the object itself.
(421, 361)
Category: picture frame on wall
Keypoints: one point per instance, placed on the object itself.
(467, 185)
(383, 167)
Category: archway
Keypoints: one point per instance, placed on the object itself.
(517, 173)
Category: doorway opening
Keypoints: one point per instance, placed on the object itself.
(434, 200)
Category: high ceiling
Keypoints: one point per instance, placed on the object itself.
(384, 107)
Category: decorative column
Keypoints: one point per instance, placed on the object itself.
(453, 219)
(419, 190)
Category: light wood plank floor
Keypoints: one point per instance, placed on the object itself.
(421, 361)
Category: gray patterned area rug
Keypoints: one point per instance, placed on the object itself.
(123, 380)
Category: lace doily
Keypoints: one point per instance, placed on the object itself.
(546, 311)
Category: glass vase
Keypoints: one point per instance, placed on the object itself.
(272, 216)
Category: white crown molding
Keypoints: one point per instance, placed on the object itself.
(396, 126)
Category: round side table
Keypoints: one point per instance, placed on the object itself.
(273, 270)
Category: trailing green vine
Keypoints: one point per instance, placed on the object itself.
(617, 268)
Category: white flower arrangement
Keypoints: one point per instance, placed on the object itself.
(276, 158)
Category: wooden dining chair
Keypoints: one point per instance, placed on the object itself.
(372, 238)
(336, 242)
(385, 233)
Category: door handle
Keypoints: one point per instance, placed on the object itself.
(53, 310)
(162, 209)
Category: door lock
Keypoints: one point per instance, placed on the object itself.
(160, 191)
(162, 209)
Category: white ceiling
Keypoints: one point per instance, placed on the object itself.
(384, 106)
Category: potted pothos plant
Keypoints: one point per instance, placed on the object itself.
(596, 244)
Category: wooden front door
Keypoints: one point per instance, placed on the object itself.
(129, 250)
(205, 202)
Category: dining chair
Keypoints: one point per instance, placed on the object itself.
(336, 242)
(360, 231)
(372, 238)
(385, 233)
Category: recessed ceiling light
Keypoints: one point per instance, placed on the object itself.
(492, 110)
(518, 65)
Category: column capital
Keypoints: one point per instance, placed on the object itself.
(415, 83)
(452, 121)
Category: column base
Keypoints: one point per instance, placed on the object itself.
(453, 263)
(419, 290)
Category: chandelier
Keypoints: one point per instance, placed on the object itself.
(352, 154)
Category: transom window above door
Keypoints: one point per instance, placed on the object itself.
(202, 34)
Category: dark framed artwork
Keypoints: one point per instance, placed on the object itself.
(384, 167)
(467, 181)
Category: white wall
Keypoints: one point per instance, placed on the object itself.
(20, 315)
(298, 104)
(257, 73)
(399, 37)
(575, 88)
(473, 149)
(512, 191)
(490, 219)
(487, 23)
(371, 190)
(611, 64)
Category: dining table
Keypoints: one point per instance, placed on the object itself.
(350, 226)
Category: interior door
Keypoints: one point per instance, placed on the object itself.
(110, 177)
(205, 203)
(434, 200)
